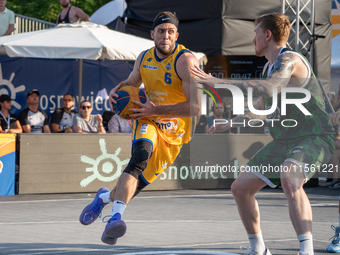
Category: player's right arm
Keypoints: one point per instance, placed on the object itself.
(134, 79)
(239, 119)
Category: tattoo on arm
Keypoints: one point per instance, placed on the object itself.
(279, 77)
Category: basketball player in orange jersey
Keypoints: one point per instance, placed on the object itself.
(163, 124)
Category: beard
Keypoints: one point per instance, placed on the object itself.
(65, 5)
(163, 51)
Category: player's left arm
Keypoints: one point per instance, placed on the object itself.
(190, 108)
(284, 68)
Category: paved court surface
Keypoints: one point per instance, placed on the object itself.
(159, 222)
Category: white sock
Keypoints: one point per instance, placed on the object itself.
(256, 242)
(306, 243)
(105, 197)
(118, 207)
(339, 219)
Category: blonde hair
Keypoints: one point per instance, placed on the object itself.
(278, 24)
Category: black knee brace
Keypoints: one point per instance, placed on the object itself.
(141, 152)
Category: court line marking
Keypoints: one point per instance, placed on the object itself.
(155, 221)
(63, 252)
(146, 197)
(176, 252)
(162, 247)
(324, 205)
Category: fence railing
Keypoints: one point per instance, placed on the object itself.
(25, 24)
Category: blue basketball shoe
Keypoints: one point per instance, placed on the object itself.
(334, 246)
(114, 229)
(108, 240)
(92, 211)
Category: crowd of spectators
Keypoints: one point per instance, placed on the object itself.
(63, 120)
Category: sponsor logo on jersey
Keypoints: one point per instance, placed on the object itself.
(149, 59)
(167, 125)
(144, 128)
(168, 67)
(150, 67)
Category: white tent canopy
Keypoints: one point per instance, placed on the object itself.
(109, 12)
(75, 41)
(83, 40)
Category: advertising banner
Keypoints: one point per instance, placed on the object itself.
(55, 77)
(7, 164)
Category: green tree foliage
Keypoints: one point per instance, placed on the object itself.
(48, 9)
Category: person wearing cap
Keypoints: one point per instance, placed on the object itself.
(9, 121)
(164, 123)
(32, 119)
(62, 118)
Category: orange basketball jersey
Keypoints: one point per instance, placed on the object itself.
(164, 87)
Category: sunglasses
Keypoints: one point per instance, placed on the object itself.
(86, 106)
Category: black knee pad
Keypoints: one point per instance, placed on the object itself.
(141, 152)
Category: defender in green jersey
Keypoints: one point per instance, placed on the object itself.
(299, 148)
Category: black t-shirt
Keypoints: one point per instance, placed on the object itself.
(62, 118)
(200, 126)
(13, 121)
(36, 120)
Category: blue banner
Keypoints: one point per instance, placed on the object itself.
(56, 77)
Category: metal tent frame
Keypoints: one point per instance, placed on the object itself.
(306, 47)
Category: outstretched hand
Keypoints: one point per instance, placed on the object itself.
(113, 95)
(203, 77)
(147, 109)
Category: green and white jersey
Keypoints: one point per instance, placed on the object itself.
(317, 123)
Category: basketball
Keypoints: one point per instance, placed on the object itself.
(124, 101)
